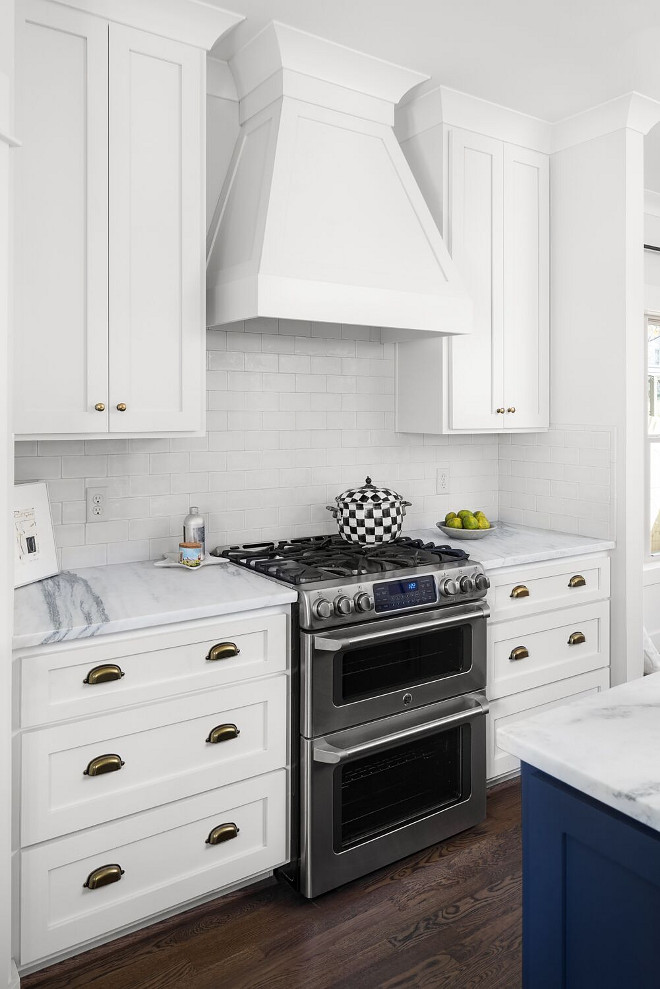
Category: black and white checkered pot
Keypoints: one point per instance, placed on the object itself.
(369, 514)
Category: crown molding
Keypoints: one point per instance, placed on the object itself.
(195, 22)
(219, 80)
(631, 111)
(279, 48)
(456, 109)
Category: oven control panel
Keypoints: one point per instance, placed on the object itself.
(413, 592)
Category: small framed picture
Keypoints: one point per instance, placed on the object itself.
(34, 543)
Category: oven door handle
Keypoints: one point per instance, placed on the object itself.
(456, 616)
(470, 708)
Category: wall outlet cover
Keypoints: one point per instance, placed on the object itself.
(97, 504)
(442, 480)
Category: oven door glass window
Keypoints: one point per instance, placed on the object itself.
(379, 793)
(370, 670)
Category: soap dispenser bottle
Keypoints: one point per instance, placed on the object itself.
(194, 528)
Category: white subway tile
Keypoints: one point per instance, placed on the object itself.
(66, 490)
(130, 463)
(63, 448)
(279, 382)
(26, 448)
(128, 552)
(148, 528)
(76, 557)
(211, 461)
(292, 364)
(38, 468)
(247, 342)
(189, 444)
(245, 420)
(87, 466)
(226, 360)
(169, 505)
(168, 463)
(72, 511)
(278, 344)
(127, 508)
(69, 535)
(153, 445)
(261, 362)
(106, 446)
(149, 484)
(244, 380)
(106, 532)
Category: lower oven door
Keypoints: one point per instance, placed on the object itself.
(356, 674)
(374, 794)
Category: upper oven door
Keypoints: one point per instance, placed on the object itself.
(361, 673)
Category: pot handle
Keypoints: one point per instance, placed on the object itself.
(405, 504)
(332, 508)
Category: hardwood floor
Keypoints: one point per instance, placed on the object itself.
(447, 918)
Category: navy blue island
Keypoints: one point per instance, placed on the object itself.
(591, 840)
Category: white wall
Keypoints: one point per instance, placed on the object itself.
(7, 972)
(598, 353)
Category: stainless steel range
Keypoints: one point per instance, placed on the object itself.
(389, 703)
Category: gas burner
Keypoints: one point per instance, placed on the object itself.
(311, 559)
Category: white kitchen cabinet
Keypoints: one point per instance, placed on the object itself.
(548, 641)
(145, 742)
(109, 228)
(495, 205)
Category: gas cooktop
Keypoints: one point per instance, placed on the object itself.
(322, 558)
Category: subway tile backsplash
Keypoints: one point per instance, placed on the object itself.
(297, 412)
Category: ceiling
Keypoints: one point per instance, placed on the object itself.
(548, 58)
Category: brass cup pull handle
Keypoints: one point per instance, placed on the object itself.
(577, 581)
(576, 638)
(520, 591)
(99, 407)
(520, 652)
(511, 408)
(104, 673)
(500, 411)
(222, 650)
(109, 763)
(121, 407)
(223, 832)
(104, 876)
(223, 733)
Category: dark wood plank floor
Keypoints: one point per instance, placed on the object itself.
(448, 918)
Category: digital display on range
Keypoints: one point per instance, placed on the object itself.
(392, 594)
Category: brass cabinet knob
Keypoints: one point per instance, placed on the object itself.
(104, 876)
(104, 673)
(500, 411)
(577, 581)
(109, 763)
(576, 638)
(223, 733)
(520, 652)
(222, 650)
(511, 408)
(520, 591)
(121, 407)
(100, 407)
(223, 832)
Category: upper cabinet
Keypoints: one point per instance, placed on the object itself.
(109, 219)
(491, 200)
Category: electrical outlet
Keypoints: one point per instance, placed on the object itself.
(97, 504)
(442, 480)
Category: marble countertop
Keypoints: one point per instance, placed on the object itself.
(97, 600)
(511, 545)
(605, 745)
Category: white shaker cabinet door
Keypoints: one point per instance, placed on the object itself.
(526, 277)
(61, 221)
(157, 330)
(476, 221)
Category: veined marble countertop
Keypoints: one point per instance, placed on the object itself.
(513, 545)
(96, 600)
(605, 745)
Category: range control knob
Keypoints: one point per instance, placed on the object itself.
(343, 605)
(448, 587)
(364, 602)
(322, 608)
(466, 584)
(481, 582)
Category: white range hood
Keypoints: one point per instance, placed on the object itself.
(320, 217)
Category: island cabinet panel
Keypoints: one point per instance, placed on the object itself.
(164, 857)
(591, 891)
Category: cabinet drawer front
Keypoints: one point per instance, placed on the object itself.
(165, 859)
(533, 651)
(554, 585)
(508, 710)
(165, 663)
(165, 751)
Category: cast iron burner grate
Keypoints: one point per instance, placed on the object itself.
(303, 560)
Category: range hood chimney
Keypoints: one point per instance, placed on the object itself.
(320, 217)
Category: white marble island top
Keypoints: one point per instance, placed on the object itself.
(605, 745)
(97, 600)
(510, 545)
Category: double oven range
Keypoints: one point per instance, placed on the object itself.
(389, 700)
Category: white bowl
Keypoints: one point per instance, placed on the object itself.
(466, 533)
